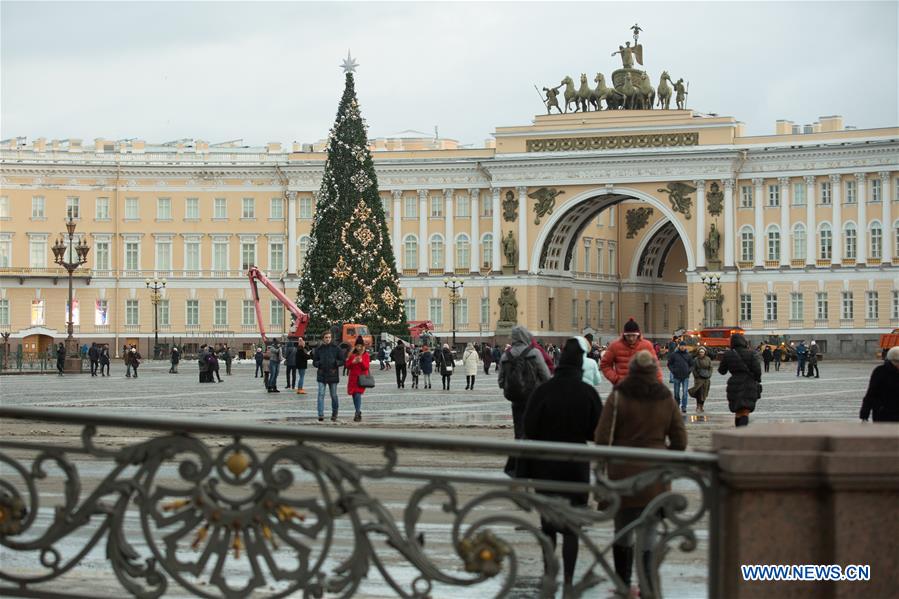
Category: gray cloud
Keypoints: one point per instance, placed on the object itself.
(269, 71)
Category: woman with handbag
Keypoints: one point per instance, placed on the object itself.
(357, 364)
(640, 412)
(702, 377)
(447, 364)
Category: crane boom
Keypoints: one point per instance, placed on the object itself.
(300, 318)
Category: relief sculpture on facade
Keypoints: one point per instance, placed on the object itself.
(715, 199)
(679, 196)
(546, 201)
(510, 207)
(636, 219)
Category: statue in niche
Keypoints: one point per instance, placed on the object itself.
(679, 196)
(715, 199)
(636, 219)
(546, 201)
(712, 244)
(510, 251)
(510, 207)
(508, 306)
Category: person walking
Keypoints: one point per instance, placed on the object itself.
(415, 366)
(213, 360)
(227, 357)
(104, 361)
(266, 371)
(398, 355)
(126, 358)
(563, 409)
(801, 357)
(302, 361)
(174, 358)
(274, 367)
(881, 401)
(203, 364)
(487, 358)
(328, 359)
(702, 379)
(258, 358)
(445, 362)
(426, 360)
(60, 358)
(135, 359)
(470, 364)
(812, 360)
(744, 387)
(778, 356)
(589, 367)
(358, 363)
(382, 357)
(614, 363)
(521, 370)
(290, 365)
(767, 356)
(680, 364)
(93, 355)
(497, 356)
(639, 412)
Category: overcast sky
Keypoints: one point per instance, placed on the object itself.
(270, 71)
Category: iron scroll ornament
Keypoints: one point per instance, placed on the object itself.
(227, 503)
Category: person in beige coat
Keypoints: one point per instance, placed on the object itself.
(470, 364)
(640, 412)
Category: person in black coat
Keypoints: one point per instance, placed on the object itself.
(258, 356)
(398, 355)
(767, 356)
(302, 360)
(566, 410)
(680, 364)
(882, 399)
(445, 361)
(744, 387)
(60, 358)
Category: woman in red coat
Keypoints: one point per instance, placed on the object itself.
(357, 363)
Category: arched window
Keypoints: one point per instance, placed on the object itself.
(410, 252)
(850, 241)
(825, 242)
(747, 244)
(773, 245)
(799, 241)
(302, 249)
(487, 250)
(876, 240)
(436, 251)
(463, 251)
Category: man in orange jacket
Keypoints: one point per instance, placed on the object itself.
(614, 362)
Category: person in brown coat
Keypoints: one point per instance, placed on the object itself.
(639, 412)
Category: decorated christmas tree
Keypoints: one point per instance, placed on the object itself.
(350, 271)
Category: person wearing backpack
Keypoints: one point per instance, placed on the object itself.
(521, 370)
(744, 387)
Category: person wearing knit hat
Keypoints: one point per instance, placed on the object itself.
(357, 363)
(615, 361)
(639, 412)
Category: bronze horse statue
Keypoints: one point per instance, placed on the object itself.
(664, 91)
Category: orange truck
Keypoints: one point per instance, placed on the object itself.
(717, 339)
(888, 340)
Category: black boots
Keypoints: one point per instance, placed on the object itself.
(624, 563)
(741, 420)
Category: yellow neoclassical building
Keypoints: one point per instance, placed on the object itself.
(611, 215)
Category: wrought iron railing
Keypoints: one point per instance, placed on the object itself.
(227, 511)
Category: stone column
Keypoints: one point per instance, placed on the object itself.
(862, 219)
(497, 231)
(729, 234)
(886, 219)
(522, 229)
(423, 231)
(786, 241)
(760, 240)
(291, 248)
(449, 258)
(837, 218)
(397, 235)
(808, 493)
(700, 223)
(474, 206)
(810, 225)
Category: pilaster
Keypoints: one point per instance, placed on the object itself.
(522, 229)
(423, 231)
(758, 185)
(700, 223)
(886, 199)
(729, 234)
(837, 218)
(475, 208)
(786, 239)
(862, 218)
(497, 229)
(449, 258)
(811, 227)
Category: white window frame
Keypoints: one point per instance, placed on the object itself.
(463, 206)
(248, 208)
(192, 209)
(164, 314)
(5, 250)
(193, 261)
(220, 313)
(799, 237)
(485, 310)
(436, 206)
(746, 199)
(37, 251)
(486, 251)
(73, 208)
(276, 208)
(872, 302)
(774, 195)
(163, 209)
(275, 265)
(302, 249)
(436, 251)
(745, 307)
(132, 312)
(435, 310)
(305, 207)
(128, 244)
(244, 246)
(276, 313)
(822, 305)
(826, 193)
(747, 243)
(217, 244)
(38, 208)
(462, 316)
(825, 250)
(850, 241)
(410, 206)
(220, 209)
(248, 313)
(847, 309)
(487, 208)
(463, 250)
(875, 240)
(410, 307)
(192, 312)
(851, 189)
(101, 208)
(771, 307)
(132, 209)
(798, 195)
(163, 254)
(4, 312)
(102, 254)
(772, 242)
(797, 305)
(410, 252)
(876, 191)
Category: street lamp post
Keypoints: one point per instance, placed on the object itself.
(454, 285)
(712, 300)
(155, 285)
(77, 256)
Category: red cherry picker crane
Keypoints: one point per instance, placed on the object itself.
(299, 319)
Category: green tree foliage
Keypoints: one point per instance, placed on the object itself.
(350, 271)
